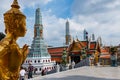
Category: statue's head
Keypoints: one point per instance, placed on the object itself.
(15, 21)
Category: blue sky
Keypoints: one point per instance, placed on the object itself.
(100, 17)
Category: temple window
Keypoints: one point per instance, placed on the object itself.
(48, 60)
(39, 69)
(38, 61)
(36, 69)
(35, 61)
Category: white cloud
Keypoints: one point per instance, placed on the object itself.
(102, 23)
(33, 3)
(54, 29)
(113, 4)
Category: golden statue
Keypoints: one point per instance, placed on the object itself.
(11, 56)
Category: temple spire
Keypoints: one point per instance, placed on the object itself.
(38, 17)
(67, 28)
(15, 4)
(38, 27)
(67, 36)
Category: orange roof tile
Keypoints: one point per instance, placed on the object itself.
(105, 56)
(75, 46)
(56, 59)
(91, 52)
(104, 50)
(56, 54)
(84, 43)
(92, 45)
(105, 53)
(55, 50)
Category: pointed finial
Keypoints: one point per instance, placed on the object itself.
(77, 38)
(67, 20)
(15, 4)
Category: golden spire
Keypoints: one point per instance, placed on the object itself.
(15, 4)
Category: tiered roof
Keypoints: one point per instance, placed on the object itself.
(105, 53)
(90, 47)
(56, 53)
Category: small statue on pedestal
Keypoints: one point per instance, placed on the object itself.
(11, 56)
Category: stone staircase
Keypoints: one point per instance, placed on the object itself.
(84, 62)
(84, 73)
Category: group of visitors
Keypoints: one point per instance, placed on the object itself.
(29, 72)
(44, 72)
(23, 72)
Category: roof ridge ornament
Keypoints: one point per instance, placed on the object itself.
(15, 4)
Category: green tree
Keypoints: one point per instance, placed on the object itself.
(83, 53)
(64, 57)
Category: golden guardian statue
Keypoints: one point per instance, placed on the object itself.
(11, 55)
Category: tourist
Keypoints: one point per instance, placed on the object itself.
(58, 68)
(73, 64)
(91, 60)
(113, 59)
(30, 71)
(22, 73)
(43, 72)
(35, 69)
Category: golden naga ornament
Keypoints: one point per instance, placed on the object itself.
(11, 56)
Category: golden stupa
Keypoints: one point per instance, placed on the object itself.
(11, 56)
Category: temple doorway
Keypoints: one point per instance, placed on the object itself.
(75, 58)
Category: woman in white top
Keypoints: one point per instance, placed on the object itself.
(22, 73)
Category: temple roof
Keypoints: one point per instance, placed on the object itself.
(105, 53)
(76, 46)
(56, 50)
(56, 53)
(57, 59)
(91, 46)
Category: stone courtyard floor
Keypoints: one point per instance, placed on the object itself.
(84, 73)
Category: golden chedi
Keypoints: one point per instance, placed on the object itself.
(11, 56)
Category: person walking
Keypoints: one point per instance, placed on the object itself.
(43, 72)
(22, 73)
(30, 71)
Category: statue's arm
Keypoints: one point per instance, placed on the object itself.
(24, 52)
(3, 50)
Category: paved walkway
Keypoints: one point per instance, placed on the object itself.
(85, 73)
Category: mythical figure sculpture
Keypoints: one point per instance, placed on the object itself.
(11, 56)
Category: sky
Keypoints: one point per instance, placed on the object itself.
(99, 17)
